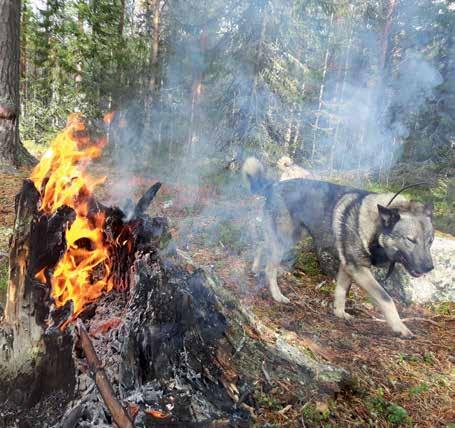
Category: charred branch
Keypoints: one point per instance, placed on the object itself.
(146, 200)
(118, 413)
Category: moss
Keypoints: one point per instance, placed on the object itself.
(396, 415)
(305, 260)
(232, 235)
(418, 389)
(314, 416)
(442, 308)
(3, 276)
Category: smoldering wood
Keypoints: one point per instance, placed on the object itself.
(118, 413)
(145, 201)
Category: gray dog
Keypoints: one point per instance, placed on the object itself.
(352, 230)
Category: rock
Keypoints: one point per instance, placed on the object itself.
(436, 286)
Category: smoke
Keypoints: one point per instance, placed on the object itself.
(379, 117)
(245, 78)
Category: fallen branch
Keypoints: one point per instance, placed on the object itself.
(406, 319)
(118, 413)
(363, 311)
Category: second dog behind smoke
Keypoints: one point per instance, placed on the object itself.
(289, 169)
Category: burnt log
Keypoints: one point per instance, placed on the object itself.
(33, 360)
(185, 338)
(183, 351)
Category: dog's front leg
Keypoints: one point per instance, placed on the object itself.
(344, 283)
(363, 277)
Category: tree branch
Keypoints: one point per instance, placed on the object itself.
(118, 413)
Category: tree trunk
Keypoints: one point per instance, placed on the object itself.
(340, 101)
(24, 63)
(121, 23)
(29, 360)
(322, 88)
(152, 90)
(155, 44)
(385, 42)
(12, 153)
(196, 90)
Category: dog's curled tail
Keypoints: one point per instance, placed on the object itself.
(253, 171)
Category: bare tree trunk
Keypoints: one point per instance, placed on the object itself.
(196, 91)
(23, 66)
(80, 27)
(340, 100)
(385, 42)
(155, 8)
(321, 90)
(12, 153)
(383, 67)
(121, 23)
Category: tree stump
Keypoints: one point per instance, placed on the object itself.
(33, 359)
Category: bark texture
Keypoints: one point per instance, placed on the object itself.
(12, 153)
(28, 350)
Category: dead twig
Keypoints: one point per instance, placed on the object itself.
(118, 413)
(407, 319)
(266, 373)
(429, 320)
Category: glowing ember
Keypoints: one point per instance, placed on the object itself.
(83, 273)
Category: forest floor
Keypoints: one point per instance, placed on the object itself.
(397, 382)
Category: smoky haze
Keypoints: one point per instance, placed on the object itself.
(268, 78)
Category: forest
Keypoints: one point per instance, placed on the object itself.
(128, 231)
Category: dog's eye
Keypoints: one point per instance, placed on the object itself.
(412, 240)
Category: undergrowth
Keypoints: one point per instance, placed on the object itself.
(3, 275)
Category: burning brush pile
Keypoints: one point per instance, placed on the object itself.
(95, 314)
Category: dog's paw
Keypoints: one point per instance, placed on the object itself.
(403, 331)
(280, 298)
(340, 313)
(256, 269)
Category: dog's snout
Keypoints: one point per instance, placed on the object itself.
(428, 267)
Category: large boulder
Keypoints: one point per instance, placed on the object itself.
(436, 286)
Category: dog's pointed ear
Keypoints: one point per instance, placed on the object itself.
(428, 209)
(389, 216)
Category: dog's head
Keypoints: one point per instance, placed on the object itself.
(407, 234)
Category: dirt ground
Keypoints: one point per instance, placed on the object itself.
(397, 382)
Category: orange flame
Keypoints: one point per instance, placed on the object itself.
(83, 273)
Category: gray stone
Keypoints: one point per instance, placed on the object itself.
(436, 286)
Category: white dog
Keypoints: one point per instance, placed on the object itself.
(290, 170)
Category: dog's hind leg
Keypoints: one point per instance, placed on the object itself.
(271, 270)
(363, 277)
(344, 283)
(258, 260)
